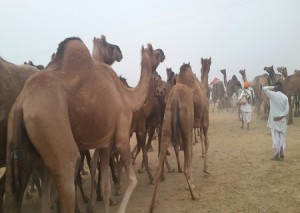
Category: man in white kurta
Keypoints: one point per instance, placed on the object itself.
(246, 108)
(279, 108)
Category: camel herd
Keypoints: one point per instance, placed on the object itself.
(51, 118)
(291, 87)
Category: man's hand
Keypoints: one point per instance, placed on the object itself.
(279, 118)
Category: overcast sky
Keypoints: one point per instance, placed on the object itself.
(236, 34)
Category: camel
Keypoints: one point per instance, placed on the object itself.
(227, 99)
(291, 87)
(294, 99)
(234, 89)
(218, 93)
(39, 67)
(273, 76)
(13, 78)
(183, 107)
(78, 103)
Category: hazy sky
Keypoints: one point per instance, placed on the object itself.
(237, 34)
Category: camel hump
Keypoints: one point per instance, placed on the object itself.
(72, 54)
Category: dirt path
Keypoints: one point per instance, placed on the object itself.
(242, 179)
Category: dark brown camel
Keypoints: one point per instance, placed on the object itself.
(181, 110)
(291, 87)
(234, 87)
(39, 67)
(218, 94)
(227, 98)
(13, 78)
(64, 107)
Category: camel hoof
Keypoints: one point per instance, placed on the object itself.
(205, 171)
(140, 171)
(113, 202)
(33, 190)
(180, 171)
(99, 198)
(85, 199)
(89, 209)
(29, 196)
(162, 178)
(202, 156)
(118, 192)
(195, 197)
(171, 170)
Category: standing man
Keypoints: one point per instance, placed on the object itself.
(245, 100)
(279, 108)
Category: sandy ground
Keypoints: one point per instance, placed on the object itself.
(242, 177)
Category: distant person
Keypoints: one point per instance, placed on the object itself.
(245, 100)
(279, 108)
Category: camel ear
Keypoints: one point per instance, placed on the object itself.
(102, 38)
(142, 49)
(209, 59)
(149, 46)
(202, 60)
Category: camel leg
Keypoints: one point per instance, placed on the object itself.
(202, 142)
(195, 134)
(105, 181)
(188, 157)
(136, 151)
(94, 163)
(141, 140)
(176, 149)
(46, 192)
(79, 184)
(116, 169)
(124, 150)
(161, 158)
(206, 145)
(2, 189)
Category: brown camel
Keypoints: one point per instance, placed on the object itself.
(39, 67)
(13, 78)
(77, 103)
(227, 98)
(183, 107)
(273, 76)
(234, 89)
(291, 87)
(294, 99)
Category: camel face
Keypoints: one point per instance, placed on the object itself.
(233, 85)
(155, 56)
(206, 63)
(106, 52)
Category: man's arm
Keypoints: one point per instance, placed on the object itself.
(268, 90)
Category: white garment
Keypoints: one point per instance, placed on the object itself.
(279, 106)
(279, 140)
(247, 107)
(246, 116)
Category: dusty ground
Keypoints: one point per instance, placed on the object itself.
(242, 177)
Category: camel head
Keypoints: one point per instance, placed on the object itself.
(171, 77)
(233, 85)
(106, 52)
(242, 72)
(269, 69)
(223, 71)
(283, 71)
(206, 63)
(155, 57)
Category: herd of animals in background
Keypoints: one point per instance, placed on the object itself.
(57, 113)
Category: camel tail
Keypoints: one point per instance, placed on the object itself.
(175, 124)
(16, 128)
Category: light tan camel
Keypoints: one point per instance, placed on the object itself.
(77, 103)
(12, 80)
(204, 109)
(184, 106)
(179, 119)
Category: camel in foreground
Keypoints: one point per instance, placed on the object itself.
(13, 78)
(182, 109)
(77, 103)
